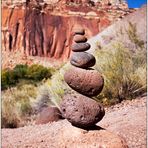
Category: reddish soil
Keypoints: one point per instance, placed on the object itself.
(127, 119)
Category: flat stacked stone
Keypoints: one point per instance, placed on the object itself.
(79, 31)
(79, 38)
(79, 109)
(79, 57)
(82, 59)
(80, 47)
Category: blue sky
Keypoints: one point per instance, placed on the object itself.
(136, 3)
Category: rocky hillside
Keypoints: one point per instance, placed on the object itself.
(43, 28)
(118, 32)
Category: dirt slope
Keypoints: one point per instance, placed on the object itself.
(128, 119)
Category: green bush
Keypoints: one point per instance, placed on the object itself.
(38, 72)
(8, 78)
(21, 72)
(124, 73)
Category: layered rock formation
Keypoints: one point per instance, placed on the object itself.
(39, 33)
(38, 28)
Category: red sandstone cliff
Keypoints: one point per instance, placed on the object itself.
(39, 29)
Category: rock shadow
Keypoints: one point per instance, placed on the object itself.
(90, 128)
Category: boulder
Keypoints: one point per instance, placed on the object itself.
(48, 114)
(82, 59)
(88, 82)
(81, 111)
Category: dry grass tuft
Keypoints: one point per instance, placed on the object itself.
(16, 105)
(124, 72)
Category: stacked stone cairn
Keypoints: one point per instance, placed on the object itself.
(79, 108)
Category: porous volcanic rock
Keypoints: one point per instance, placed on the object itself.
(48, 114)
(82, 59)
(88, 82)
(81, 111)
(79, 38)
(80, 47)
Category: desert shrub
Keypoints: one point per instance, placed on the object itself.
(20, 70)
(33, 73)
(124, 73)
(16, 105)
(10, 117)
(38, 72)
(4, 79)
(132, 34)
(42, 99)
(8, 78)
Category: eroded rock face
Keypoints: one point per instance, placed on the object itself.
(36, 31)
(81, 111)
(82, 59)
(43, 27)
(88, 82)
(48, 114)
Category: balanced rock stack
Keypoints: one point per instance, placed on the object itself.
(79, 109)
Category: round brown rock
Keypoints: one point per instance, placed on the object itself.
(48, 114)
(80, 31)
(82, 59)
(88, 82)
(81, 111)
(79, 38)
(80, 47)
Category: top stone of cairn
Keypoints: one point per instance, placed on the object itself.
(78, 30)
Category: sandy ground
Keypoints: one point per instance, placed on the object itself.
(127, 119)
